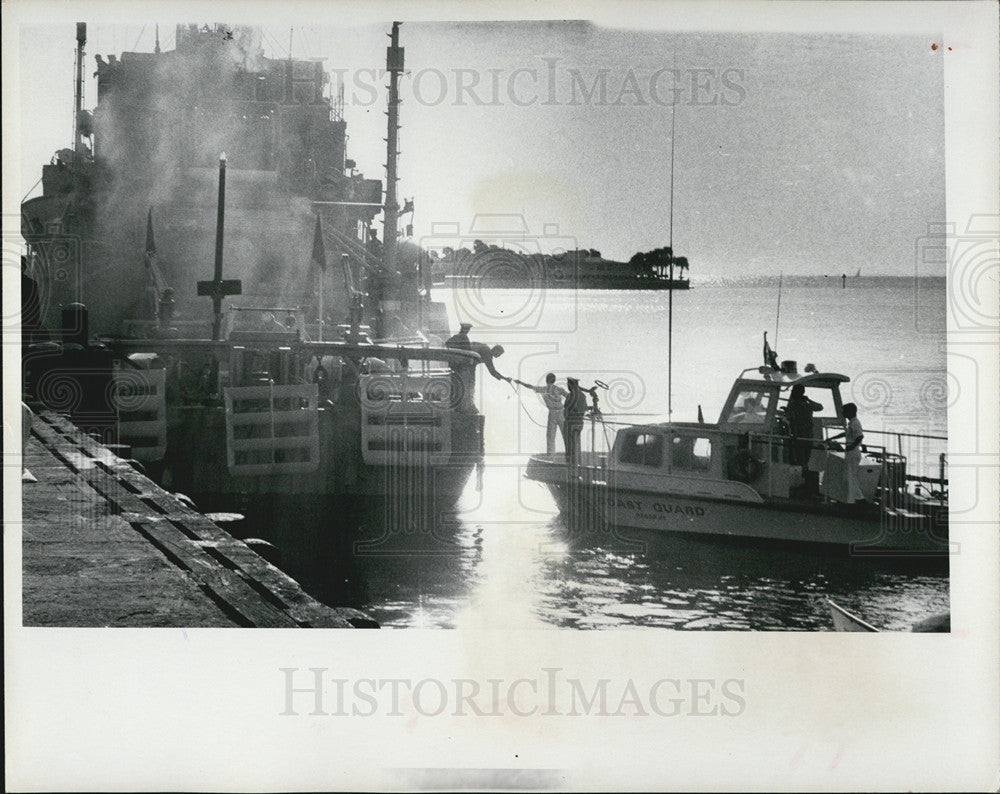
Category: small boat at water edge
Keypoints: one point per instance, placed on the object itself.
(741, 477)
(848, 621)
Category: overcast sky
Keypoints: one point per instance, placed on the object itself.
(795, 153)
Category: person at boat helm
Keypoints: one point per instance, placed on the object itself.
(552, 396)
(753, 411)
(574, 410)
(799, 413)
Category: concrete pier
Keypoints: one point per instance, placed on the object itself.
(103, 545)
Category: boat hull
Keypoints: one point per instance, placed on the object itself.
(847, 621)
(872, 531)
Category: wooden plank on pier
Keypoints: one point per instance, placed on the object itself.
(94, 510)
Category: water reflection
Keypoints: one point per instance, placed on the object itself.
(476, 573)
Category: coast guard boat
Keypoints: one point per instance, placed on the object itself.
(736, 478)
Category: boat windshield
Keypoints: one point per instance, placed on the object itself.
(751, 406)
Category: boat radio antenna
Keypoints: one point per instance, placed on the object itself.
(777, 314)
(670, 291)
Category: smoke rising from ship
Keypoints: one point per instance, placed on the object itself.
(162, 122)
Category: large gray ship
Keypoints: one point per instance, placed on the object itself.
(212, 294)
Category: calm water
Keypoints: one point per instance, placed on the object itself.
(507, 560)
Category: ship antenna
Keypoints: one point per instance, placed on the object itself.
(777, 314)
(670, 290)
(81, 42)
(390, 215)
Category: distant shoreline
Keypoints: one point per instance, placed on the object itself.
(810, 281)
(826, 282)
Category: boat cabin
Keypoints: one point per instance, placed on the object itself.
(756, 404)
(747, 455)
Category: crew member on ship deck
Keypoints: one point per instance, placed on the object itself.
(464, 375)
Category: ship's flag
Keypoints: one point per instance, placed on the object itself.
(407, 206)
(319, 252)
(150, 242)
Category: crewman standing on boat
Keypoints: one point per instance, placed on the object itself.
(574, 411)
(552, 396)
(852, 453)
(799, 412)
(853, 437)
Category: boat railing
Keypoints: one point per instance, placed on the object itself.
(894, 477)
(601, 437)
(924, 454)
(776, 446)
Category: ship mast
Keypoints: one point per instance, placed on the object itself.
(394, 66)
(81, 41)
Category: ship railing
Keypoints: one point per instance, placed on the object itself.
(264, 320)
(146, 329)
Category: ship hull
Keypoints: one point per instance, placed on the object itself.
(197, 463)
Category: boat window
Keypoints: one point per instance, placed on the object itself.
(691, 453)
(643, 449)
(751, 407)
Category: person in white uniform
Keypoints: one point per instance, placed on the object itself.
(553, 397)
(853, 437)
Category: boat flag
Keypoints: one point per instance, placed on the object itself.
(318, 252)
(407, 206)
(770, 356)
